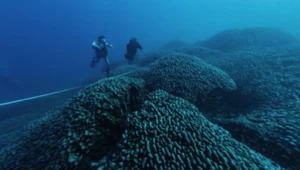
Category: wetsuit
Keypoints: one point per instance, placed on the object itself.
(101, 53)
(132, 47)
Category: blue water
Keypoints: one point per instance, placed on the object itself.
(46, 45)
(235, 80)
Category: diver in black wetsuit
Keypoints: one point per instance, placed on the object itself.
(100, 47)
(132, 47)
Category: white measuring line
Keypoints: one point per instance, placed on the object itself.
(53, 93)
(39, 96)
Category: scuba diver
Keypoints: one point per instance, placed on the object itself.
(132, 47)
(100, 47)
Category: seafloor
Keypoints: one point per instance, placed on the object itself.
(230, 102)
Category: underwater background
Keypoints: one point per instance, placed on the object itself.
(217, 85)
(46, 45)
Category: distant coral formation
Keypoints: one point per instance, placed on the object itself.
(253, 38)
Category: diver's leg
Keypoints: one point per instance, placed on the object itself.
(106, 60)
(130, 59)
(94, 61)
(136, 57)
(107, 64)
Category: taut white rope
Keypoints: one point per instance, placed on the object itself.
(53, 93)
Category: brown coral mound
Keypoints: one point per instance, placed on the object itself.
(184, 76)
(170, 133)
(86, 128)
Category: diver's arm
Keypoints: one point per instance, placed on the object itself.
(94, 45)
(139, 46)
(108, 45)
